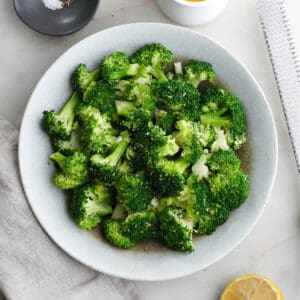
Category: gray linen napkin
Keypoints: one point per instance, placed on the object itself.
(31, 265)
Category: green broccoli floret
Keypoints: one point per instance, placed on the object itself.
(98, 135)
(113, 233)
(73, 170)
(166, 177)
(140, 226)
(89, 203)
(68, 147)
(206, 135)
(61, 125)
(105, 168)
(215, 216)
(199, 71)
(165, 120)
(116, 66)
(175, 231)
(225, 112)
(187, 138)
(85, 112)
(134, 191)
(224, 162)
(102, 96)
(151, 143)
(134, 92)
(135, 117)
(182, 98)
(230, 189)
(81, 78)
(155, 55)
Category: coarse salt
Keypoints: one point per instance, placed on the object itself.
(53, 4)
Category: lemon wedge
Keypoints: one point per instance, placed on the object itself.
(252, 287)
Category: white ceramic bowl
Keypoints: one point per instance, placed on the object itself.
(48, 203)
(192, 13)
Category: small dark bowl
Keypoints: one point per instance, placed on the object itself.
(56, 22)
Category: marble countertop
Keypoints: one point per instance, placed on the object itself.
(272, 248)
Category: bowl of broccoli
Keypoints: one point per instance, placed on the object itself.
(152, 160)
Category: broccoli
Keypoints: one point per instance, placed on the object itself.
(206, 135)
(180, 97)
(85, 112)
(230, 189)
(135, 117)
(134, 92)
(152, 143)
(61, 125)
(166, 177)
(119, 212)
(117, 66)
(81, 78)
(224, 162)
(174, 230)
(140, 226)
(105, 168)
(215, 216)
(199, 71)
(225, 112)
(155, 55)
(102, 96)
(134, 191)
(98, 135)
(200, 168)
(68, 147)
(89, 203)
(73, 170)
(165, 120)
(113, 233)
(187, 138)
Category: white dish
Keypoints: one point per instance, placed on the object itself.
(48, 203)
(192, 13)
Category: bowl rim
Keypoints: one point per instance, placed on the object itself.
(195, 4)
(115, 273)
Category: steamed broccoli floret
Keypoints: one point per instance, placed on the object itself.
(105, 168)
(155, 55)
(166, 177)
(206, 135)
(230, 189)
(215, 216)
(224, 162)
(81, 78)
(175, 231)
(180, 97)
(98, 135)
(102, 96)
(68, 147)
(135, 117)
(61, 125)
(187, 138)
(89, 203)
(165, 120)
(198, 71)
(151, 143)
(225, 112)
(134, 191)
(140, 226)
(85, 112)
(200, 168)
(116, 66)
(113, 233)
(73, 170)
(134, 92)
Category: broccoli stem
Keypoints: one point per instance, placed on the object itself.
(115, 156)
(125, 168)
(181, 165)
(124, 108)
(58, 158)
(130, 70)
(67, 114)
(157, 73)
(214, 119)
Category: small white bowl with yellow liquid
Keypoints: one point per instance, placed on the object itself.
(192, 12)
